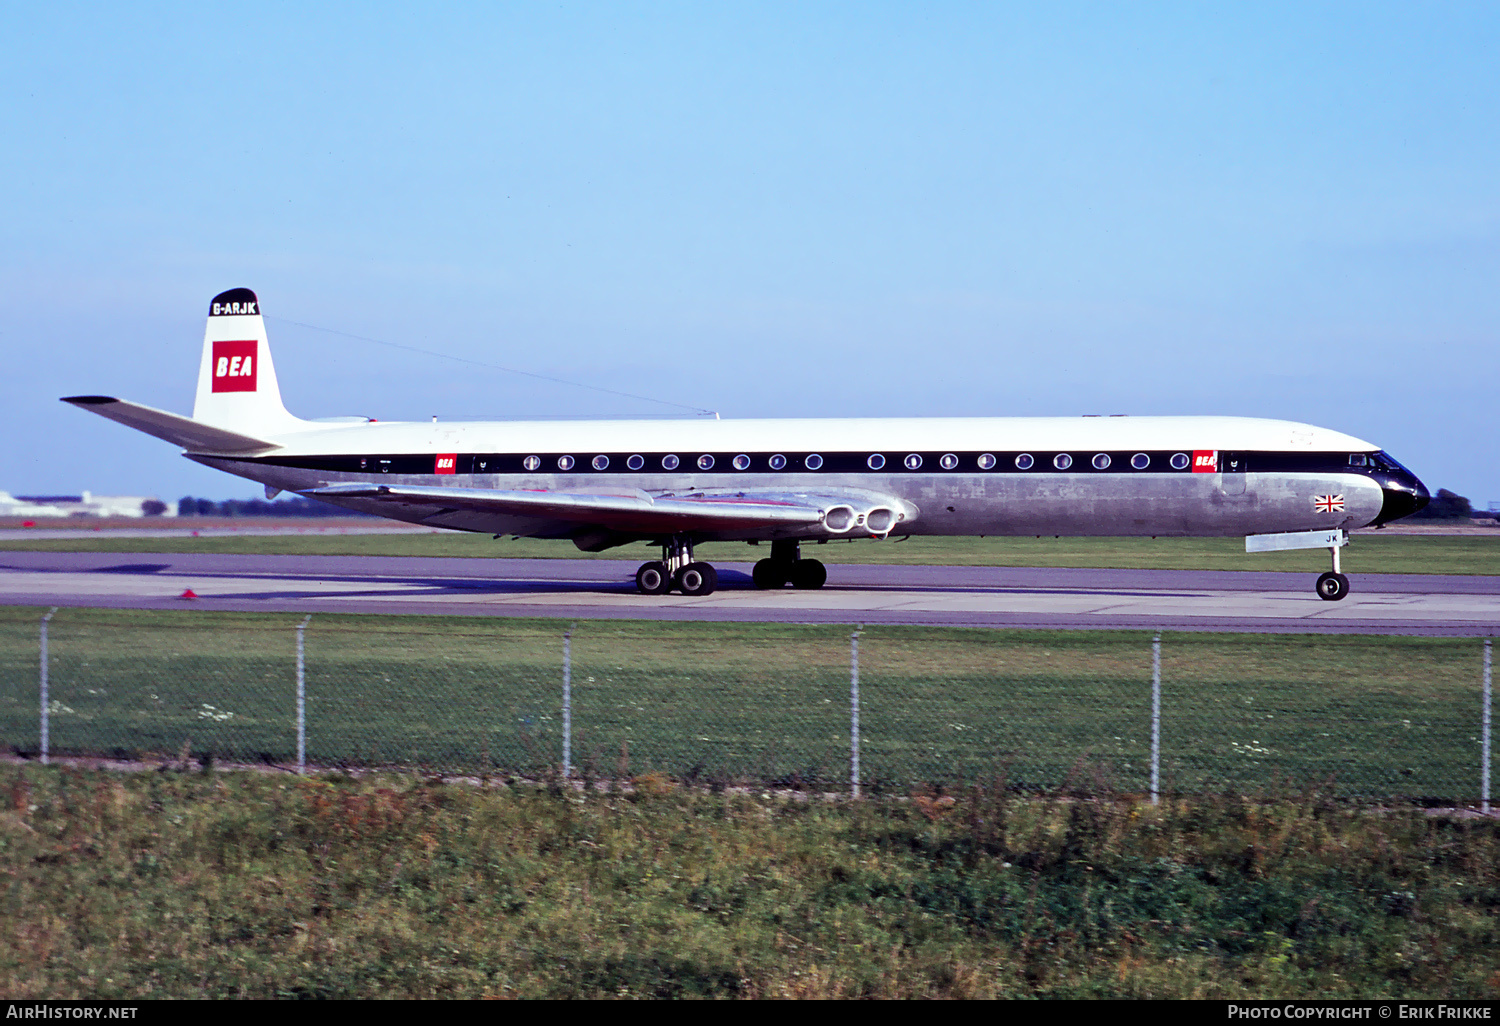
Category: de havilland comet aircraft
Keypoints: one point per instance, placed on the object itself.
(676, 483)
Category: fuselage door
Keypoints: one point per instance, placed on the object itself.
(1232, 472)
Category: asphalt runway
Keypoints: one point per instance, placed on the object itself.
(250, 529)
(604, 589)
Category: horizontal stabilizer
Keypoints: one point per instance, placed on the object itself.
(192, 435)
(630, 512)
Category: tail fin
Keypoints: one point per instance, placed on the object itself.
(237, 387)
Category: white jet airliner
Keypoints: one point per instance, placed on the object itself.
(676, 483)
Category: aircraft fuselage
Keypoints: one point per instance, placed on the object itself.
(1113, 476)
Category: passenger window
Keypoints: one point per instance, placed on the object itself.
(636, 462)
(742, 462)
(565, 463)
(778, 462)
(1180, 461)
(531, 462)
(813, 462)
(1101, 461)
(913, 462)
(601, 462)
(875, 462)
(669, 462)
(948, 462)
(1140, 461)
(1025, 461)
(1062, 461)
(705, 462)
(987, 461)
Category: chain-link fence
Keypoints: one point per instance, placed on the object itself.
(811, 707)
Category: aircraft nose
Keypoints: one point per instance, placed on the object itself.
(1403, 495)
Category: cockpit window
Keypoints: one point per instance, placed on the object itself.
(1358, 459)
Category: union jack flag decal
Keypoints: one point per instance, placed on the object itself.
(1328, 504)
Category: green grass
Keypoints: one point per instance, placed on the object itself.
(1373, 553)
(166, 885)
(1388, 718)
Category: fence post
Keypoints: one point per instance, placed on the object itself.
(854, 712)
(1484, 736)
(302, 695)
(46, 730)
(1156, 719)
(567, 710)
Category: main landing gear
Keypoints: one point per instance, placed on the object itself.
(1332, 586)
(676, 570)
(786, 566)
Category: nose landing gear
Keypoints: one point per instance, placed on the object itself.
(676, 569)
(1332, 587)
(785, 565)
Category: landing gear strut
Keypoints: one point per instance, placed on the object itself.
(676, 569)
(1332, 586)
(786, 566)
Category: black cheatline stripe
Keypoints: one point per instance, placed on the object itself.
(833, 463)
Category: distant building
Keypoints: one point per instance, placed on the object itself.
(86, 505)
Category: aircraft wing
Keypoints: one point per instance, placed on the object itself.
(630, 512)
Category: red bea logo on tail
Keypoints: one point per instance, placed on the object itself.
(234, 366)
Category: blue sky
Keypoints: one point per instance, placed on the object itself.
(769, 210)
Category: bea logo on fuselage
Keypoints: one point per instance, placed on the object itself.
(1205, 461)
(234, 366)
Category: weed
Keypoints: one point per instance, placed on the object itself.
(252, 885)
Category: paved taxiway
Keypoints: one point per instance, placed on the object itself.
(597, 588)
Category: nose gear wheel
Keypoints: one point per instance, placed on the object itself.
(1332, 587)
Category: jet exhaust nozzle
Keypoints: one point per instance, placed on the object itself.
(840, 519)
(880, 520)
